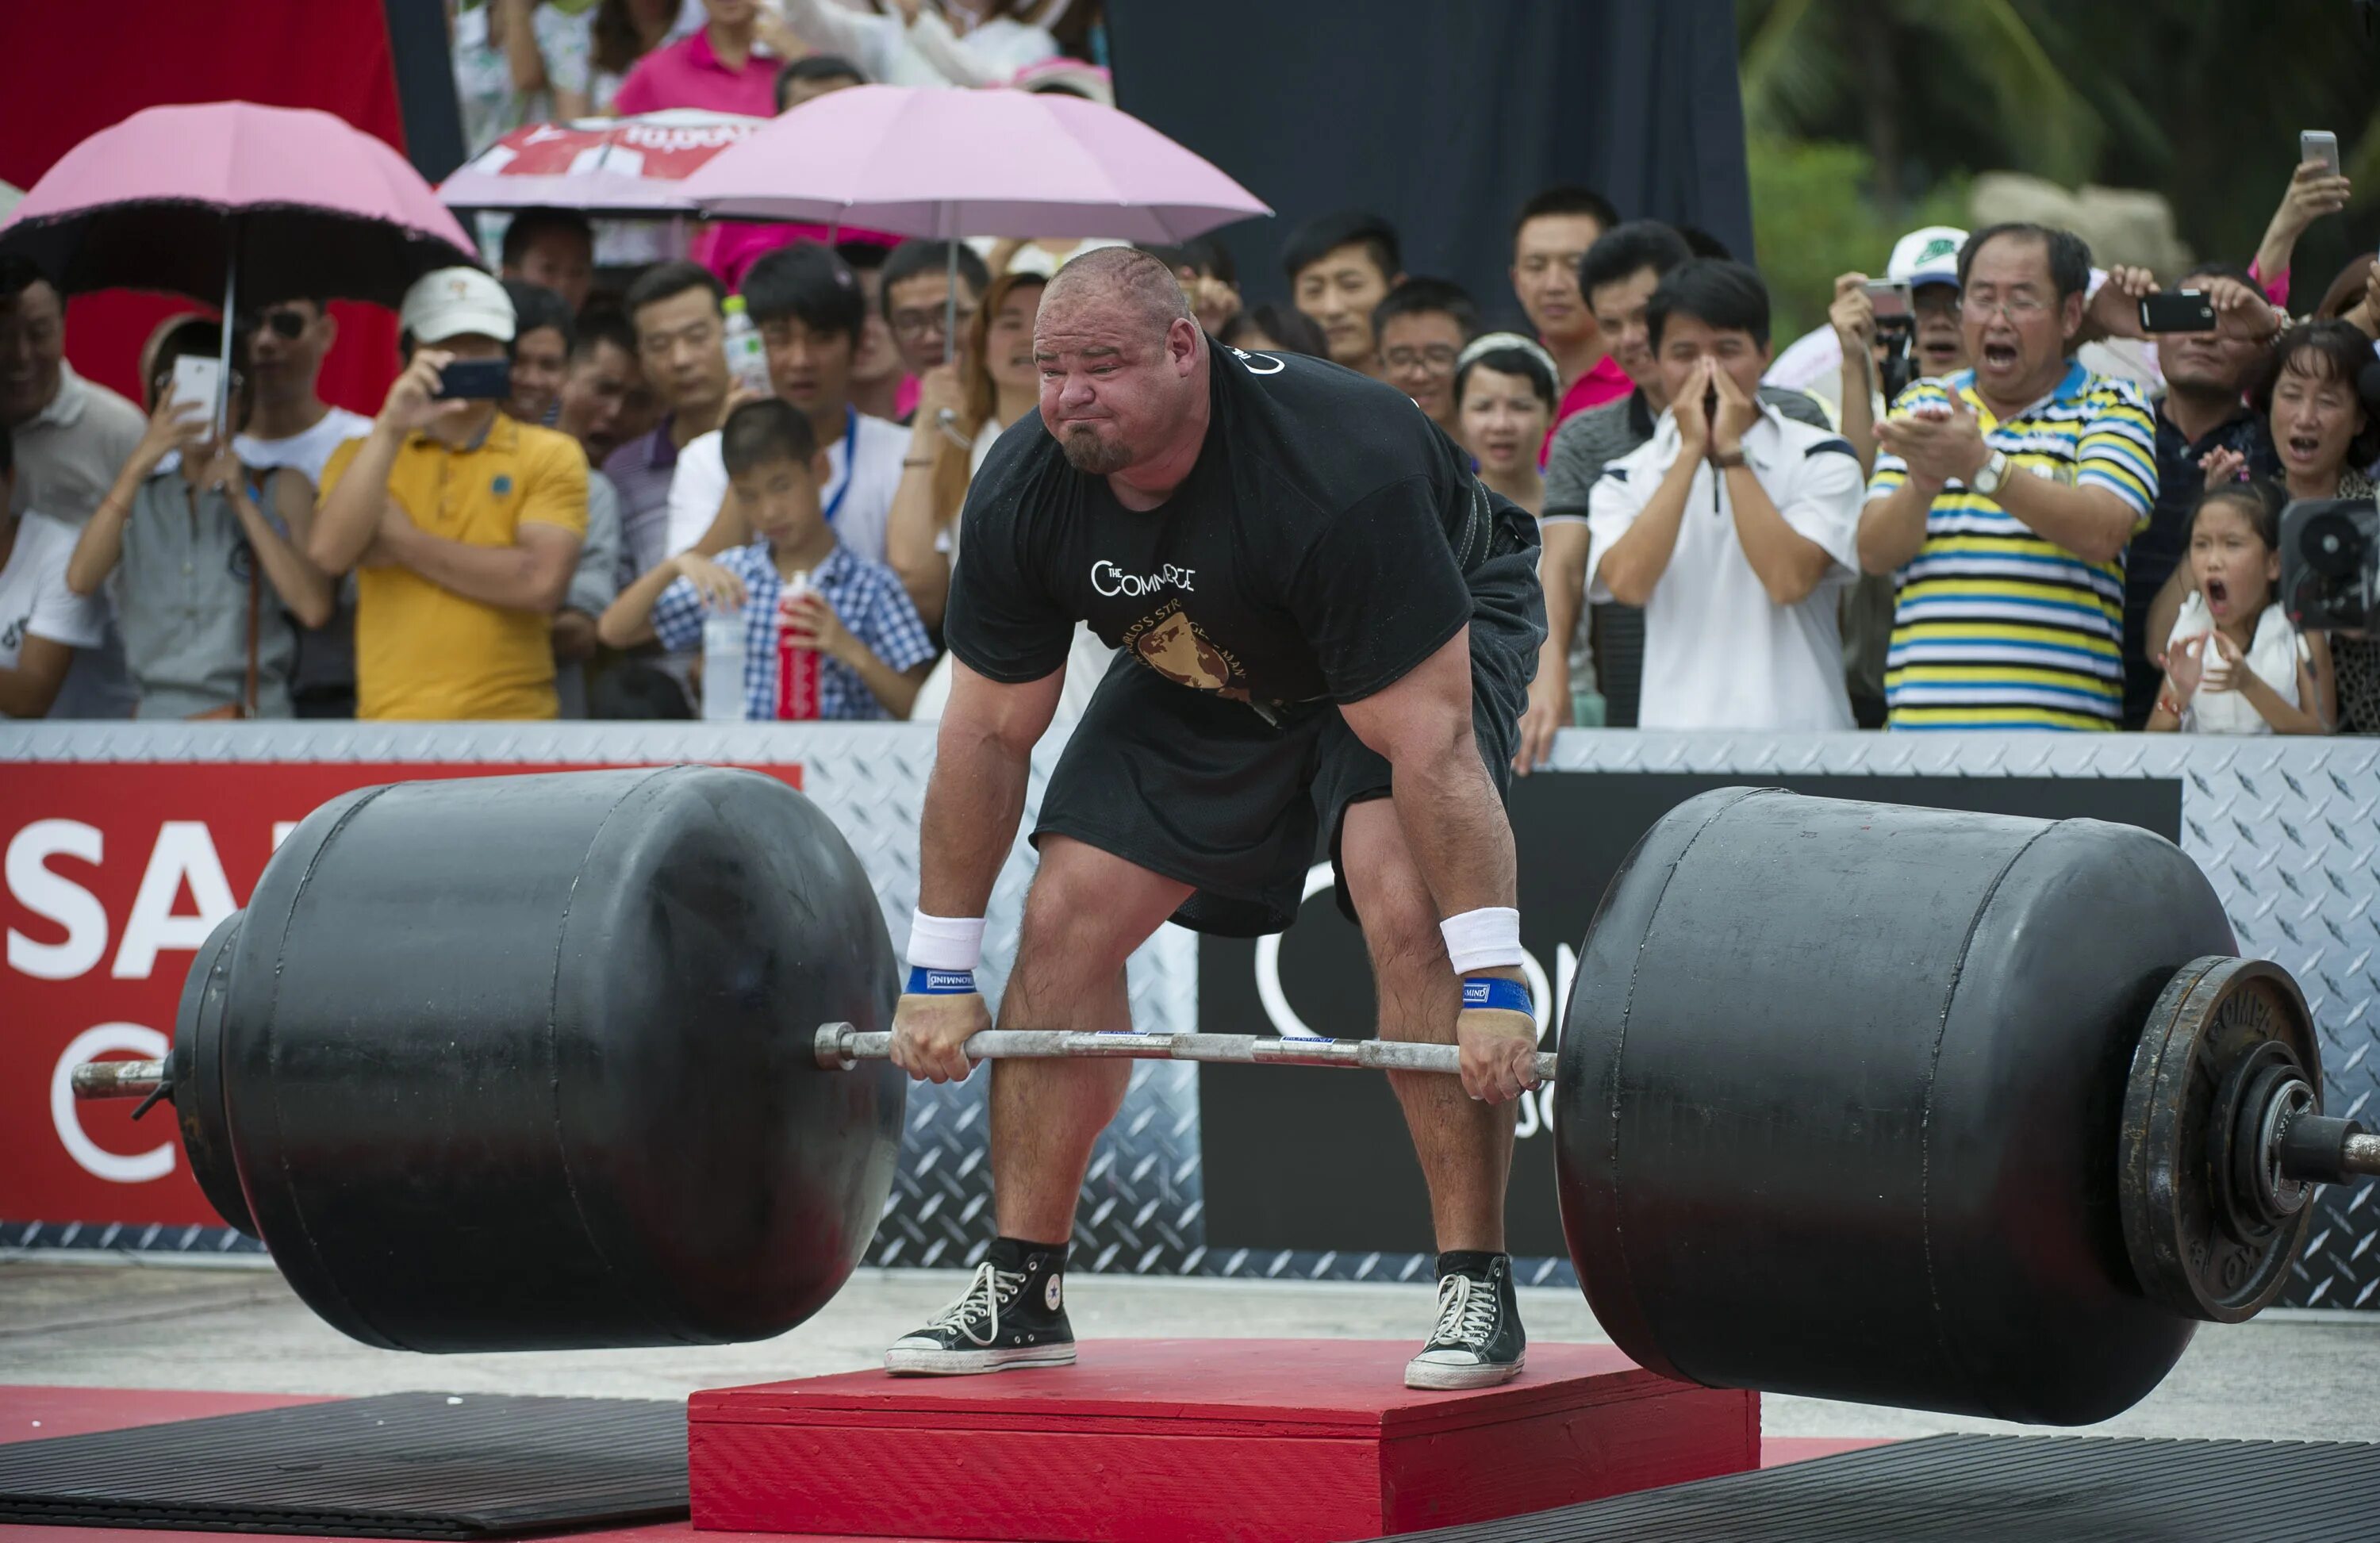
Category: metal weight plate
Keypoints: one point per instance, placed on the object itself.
(2209, 1224)
(197, 1070)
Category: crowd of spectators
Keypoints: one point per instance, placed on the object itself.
(1974, 500)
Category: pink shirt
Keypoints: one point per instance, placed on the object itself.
(688, 74)
(1606, 383)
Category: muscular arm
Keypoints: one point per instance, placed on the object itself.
(1448, 807)
(1634, 566)
(981, 761)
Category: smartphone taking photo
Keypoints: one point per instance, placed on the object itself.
(2319, 144)
(476, 381)
(2177, 311)
(198, 381)
(1888, 299)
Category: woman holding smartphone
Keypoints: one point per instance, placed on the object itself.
(198, 559)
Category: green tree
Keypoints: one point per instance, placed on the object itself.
(1813, 218)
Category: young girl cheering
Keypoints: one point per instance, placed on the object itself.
(2235, 664)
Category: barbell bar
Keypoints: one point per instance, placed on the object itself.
(842, 1046)
(1948, 1110)
(2309, 1147)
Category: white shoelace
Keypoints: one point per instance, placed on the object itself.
(991, 1289)
(1466, 1311)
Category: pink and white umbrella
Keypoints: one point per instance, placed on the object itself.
(624, 168)
(294, 201)
(932, 162)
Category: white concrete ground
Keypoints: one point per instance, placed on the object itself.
(2313, 1376)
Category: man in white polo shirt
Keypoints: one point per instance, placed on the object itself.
(1733, 527)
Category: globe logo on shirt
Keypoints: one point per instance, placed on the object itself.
(502, 486)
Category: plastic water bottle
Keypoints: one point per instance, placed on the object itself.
(722, 667)
(748, 360)
(798, 667)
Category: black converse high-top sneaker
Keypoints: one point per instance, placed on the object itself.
(1478, 1342)
(1012, 1314)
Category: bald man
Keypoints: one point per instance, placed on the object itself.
(1324, 624)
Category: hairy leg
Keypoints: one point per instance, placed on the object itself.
(1088, 911)
(1464, 1146)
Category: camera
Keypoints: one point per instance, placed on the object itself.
(2330, 564)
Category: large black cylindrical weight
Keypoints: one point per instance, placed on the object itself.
(526, 1063)
(1840, 1101)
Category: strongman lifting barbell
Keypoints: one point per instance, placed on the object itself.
(1948, 1110)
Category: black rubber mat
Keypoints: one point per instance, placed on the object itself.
(2033, 1488)
(398, 1465)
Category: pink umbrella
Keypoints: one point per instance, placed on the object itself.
(948, 163)
(293, 202)
(621, 166)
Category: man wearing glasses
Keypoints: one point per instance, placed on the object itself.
(291, 425)
(916, 293)
(1421, 329)
(2005, 497)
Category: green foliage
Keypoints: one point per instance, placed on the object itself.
(1814, 216)
(2198, 100)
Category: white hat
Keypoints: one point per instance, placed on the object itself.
(1929, 255)
(452, 302)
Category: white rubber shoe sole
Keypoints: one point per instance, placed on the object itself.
(1448, 1375)
(934, 1361)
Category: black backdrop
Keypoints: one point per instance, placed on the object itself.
(1444, 115)
(1306, 1158)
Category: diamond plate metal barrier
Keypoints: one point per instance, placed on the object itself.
(2288, 831)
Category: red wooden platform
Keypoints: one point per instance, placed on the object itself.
(1191, 1441)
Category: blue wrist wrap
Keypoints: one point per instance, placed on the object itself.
(924, 982)
(1494, 992)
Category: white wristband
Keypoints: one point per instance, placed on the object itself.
(1487, 939)
(945, 943)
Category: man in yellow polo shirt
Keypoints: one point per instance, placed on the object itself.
(463, 525)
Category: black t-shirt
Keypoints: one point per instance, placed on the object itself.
(1319, 548)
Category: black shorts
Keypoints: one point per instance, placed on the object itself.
(1205, 791)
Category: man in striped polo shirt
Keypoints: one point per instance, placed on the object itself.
(2004, 497)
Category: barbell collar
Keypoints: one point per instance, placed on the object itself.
(2324, 1149)
(841, 1046)
(118, 1079)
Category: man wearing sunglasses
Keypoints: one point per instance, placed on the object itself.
(292, 425)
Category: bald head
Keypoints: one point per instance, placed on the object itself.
(1124, 367)
(1135, 283)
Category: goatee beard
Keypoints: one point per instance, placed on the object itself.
(1087, 453)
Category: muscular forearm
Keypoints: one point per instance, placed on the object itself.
(1456, 826)
(2093, 524)
(510, 577)
(1788, 563)
(350, 517)
(973, 803)
(1634, 566)
(1892, 529)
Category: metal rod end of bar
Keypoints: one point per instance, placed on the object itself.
(118, 1079)
(835, 1046)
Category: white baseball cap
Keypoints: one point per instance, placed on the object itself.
(1928, 255)
(452, 303)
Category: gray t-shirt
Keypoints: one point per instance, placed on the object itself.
(181, 594)
(594, 584)
(1582, 447)
(68, 456)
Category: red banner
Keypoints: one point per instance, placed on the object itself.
(115, 873)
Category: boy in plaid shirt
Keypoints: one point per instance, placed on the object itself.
(855, 612)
